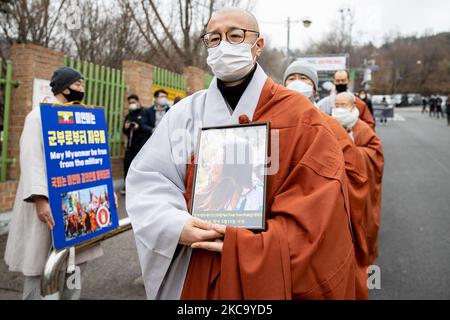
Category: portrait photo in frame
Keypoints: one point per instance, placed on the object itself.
(230, 176)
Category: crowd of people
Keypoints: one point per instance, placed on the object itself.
(436, 106)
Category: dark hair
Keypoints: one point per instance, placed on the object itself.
(158, 92)
(133, 96)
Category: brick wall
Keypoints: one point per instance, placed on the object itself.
(195, 79)
(7, 195)
(138, 80)
(29, 61)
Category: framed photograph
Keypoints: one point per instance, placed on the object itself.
(230, 176)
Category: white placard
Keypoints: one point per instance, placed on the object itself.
(330, 63)
(42, 92)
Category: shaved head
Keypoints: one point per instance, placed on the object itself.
(341, 74)
(345, 100)
(240, 14)
(341, 77)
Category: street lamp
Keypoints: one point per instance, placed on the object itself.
(306, 23)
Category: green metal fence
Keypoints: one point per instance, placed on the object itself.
(6, 84)
(208, 78)
(105, 86)
(174, 83)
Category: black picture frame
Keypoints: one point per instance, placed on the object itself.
(254, 227)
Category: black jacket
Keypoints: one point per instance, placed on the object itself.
(137, 138)
(151, 114)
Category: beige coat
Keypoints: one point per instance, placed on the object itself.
(30, 240)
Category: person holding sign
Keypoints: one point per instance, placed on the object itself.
(305, 250)
(30, 239)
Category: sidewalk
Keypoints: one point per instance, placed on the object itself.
(108, 278)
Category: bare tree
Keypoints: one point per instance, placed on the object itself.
(172, 29)
(31, 20)
(106, 35)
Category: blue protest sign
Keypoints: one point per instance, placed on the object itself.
(79, 175)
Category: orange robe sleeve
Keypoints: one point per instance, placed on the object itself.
(370, 145)
(364, 113)
(306, 252)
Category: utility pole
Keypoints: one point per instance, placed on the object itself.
(288, 50)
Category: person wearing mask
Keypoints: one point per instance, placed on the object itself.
(137, 127)
(447, 109)
(30, 238)
(159, 109)
(369, 144)
(303, 78)
(187, 258)
(341, 84)
(365, 98)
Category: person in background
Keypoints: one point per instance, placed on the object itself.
(424, 104)
(138, 127)
(432, 104)
(159, 109)
(447, 109)
(368, 144)
(30, 236)
(303, 78)
(385, 104)
(176, 100)
(364, 97)
(439, 111)
(341, 84)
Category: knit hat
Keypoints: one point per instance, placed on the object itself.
(304, 68)
(64, 78)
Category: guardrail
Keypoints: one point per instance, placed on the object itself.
(50, 279)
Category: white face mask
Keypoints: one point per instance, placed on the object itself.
(162, 101)
(302, 87)
(346, 117)
(133, 106)
(231, 62)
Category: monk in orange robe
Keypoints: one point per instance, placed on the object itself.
(302, 77)
(370, 146)
(364, 113)
(341, 83)
(307, 250)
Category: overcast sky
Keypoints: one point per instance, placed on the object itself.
(374, 19)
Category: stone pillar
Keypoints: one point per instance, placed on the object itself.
(29, 61)
(138, 80)
(195, 79)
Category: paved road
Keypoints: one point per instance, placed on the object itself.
(414, 240)
(415, 235)
(111, 277)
